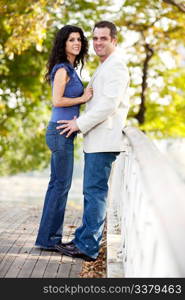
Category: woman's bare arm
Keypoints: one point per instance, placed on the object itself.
(59, 84)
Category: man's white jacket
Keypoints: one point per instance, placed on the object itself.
(105, 114)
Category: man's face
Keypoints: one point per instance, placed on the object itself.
(103, 43)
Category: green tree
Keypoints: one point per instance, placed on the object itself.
(27, 32)
(155, 65)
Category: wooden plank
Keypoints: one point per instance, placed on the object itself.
(11, 255)
(19, 260)
(52, 268)
(13, 241)
(6, 215)
(64, 270)
(10, 222)
(7, 247)
(8, 238)
(29, 264)
(76, 268)
(19, 257)
(41, 264)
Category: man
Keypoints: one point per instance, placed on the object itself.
(101, 125)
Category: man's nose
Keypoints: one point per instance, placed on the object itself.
(98, 42)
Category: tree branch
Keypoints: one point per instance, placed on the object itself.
(178, 4)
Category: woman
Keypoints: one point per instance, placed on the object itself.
(69, 50)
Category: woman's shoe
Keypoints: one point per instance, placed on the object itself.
(68, 244)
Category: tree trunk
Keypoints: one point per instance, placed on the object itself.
(140, 116)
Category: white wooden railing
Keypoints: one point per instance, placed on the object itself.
(146, 213)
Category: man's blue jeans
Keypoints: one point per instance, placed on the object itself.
(51, 224)
(96, 174)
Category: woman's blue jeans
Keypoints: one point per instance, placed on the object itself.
(96, 175)
(51, 224)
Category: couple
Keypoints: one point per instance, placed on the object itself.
(101, 125)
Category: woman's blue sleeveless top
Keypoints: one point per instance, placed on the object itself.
(74, 88)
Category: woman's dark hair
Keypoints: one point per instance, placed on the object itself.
(58, 53)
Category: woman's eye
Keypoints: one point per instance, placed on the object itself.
(72, 40)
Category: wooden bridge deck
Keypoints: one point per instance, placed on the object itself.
(18, 256)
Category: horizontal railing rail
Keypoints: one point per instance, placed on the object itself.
(146, 213)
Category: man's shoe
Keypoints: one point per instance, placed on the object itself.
(74, 252)
(62, 246)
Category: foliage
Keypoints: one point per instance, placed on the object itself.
(154, 58)
(152, 33)
(27, 32)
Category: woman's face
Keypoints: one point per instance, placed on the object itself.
(73, 44)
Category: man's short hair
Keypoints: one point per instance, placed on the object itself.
(110, 25)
